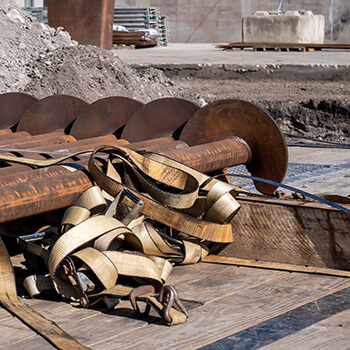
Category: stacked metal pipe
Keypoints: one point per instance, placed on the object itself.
(210, 139)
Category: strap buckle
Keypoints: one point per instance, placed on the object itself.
(169, 297)
(136, 292)
(80, 287)
(135, 211)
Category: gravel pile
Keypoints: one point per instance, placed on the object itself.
(93, 73)
(42, 61)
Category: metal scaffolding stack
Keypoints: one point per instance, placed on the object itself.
(163, 30)
(135, 19)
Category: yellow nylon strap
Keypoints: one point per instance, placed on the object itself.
(156, 171)
(135, 265)
(9, 300)
(73, 239)
(90, 202)
(220, 202)
(194, 252)
(221, 205)
(100, 264)
(92, 199)
(164, 266)
(201, 178)
(119, 290)
(40, 162)
(221, 233)
(147, 240)
(73, 216)
(110, 241)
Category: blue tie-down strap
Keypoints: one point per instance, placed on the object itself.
(306, 194)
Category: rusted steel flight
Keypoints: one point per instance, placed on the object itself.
(113, 115)
(252, 127)
(51, 113)
(158, 118)
(229, 132)
(103, 117)
(12, 107)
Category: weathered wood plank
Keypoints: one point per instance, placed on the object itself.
(235, 298)
(59, 310)
(102, 326)
(332, 333)
(223, 282)
(13, 331)
(34, 342)
(280, 231)
(230, 313)
(99, 327)
(4, 315)
(228, 260)
(190, 273)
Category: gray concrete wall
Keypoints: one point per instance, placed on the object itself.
(221, 20)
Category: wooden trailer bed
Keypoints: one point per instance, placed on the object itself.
(229, 308)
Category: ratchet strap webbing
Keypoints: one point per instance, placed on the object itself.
(9, 300)
(170, 194)
(149, 169)
(75, 255)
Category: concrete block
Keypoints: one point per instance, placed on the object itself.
(289, 27)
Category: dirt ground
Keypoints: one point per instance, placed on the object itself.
(42, 61)
(318, 109)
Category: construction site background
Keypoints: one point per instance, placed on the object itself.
(221, 20)
(199, 21)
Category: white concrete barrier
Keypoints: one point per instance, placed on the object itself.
(289, 27)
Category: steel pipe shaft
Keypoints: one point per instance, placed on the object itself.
(213, 156)
(160, 145)
(39, 195)
(48, 139)
(5, 131)
(15, 135)
(70, 147)
(11, 141)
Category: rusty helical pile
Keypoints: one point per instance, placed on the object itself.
(210, 139)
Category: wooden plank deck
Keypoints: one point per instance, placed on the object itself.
(332, 333)
(283, 46)
(224, 302)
